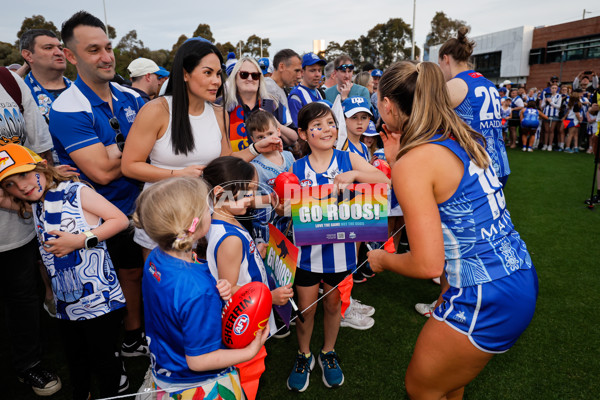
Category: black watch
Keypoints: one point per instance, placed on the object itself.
(91, 240)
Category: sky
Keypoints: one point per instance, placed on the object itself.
(291, 24)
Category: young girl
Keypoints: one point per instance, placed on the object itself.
(72, 222)
(572, 121)
(182, 301)
(457, 222)
(530, 121)
(551, 107)
(358, 117)
(232, 253)
(329, 263)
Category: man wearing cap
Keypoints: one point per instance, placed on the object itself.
(308, 90)
(43, 52)
(21, 123)
(89, 123)
(145, 77)
(376, 75)
(344, 70)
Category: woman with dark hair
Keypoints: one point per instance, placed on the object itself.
(246, 93)
(183, 131)
(458, 224)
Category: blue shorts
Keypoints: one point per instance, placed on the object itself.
(492, 315)
(529, 124)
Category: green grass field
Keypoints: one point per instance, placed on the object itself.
(558, 357)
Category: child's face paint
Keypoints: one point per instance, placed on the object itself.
(323, 133)
(28, 186)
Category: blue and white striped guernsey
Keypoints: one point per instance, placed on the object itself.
(326, 258)
(551, 106)
(363, 151)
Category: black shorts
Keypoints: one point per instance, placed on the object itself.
(306, 278)
(514, 123)
(124, 252)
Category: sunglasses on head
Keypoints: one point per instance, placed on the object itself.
(346, 67)
(119, 137)
(245, 74)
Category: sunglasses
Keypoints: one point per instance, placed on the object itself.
(346, 67)
(255, 75)
(119, 137)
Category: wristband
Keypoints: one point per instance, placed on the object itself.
(253, 150)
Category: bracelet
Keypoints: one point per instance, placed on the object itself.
(253, 150)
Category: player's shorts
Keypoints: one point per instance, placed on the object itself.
(514, 122)
(493, 315)
(306, 278)
(530, 124)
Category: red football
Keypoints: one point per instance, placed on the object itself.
(383, 166)
(284, 184)
(246, 312)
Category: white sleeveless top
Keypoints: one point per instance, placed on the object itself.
(207, 140)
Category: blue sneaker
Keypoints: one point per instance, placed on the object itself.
(332, 373)
(298, 379)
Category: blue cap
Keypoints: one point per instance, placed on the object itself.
(312, 59)
(162, 73)
(376, 72)
(199, 38)
(230, 55)
(353, 105)
(264, 65)
(371, 130)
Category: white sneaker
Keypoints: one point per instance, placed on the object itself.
(545, 147)
(357, 321)
(361, 308)
(425, 309)
(549, 147)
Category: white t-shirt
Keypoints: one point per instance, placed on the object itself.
(30, 130)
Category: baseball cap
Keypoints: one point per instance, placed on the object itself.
(501, 89)
(376, 73)
(15, 159)
(264, 65)
(507, 82)
(554, 78)
(353, 105)
(371, 130)
(311, 59)
(142, 66)
(162, 73)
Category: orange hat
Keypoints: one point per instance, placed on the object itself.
(15, 159)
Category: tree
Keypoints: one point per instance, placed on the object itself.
(37, 22)
(332, 51)
(442, 29)
(175, 47)
(112, 32)
(225, 48)
(252, 47)
(352, 48)
(128, 49)
(9, 54)
(203, 30)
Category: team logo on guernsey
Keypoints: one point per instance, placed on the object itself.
(475, 75)
(306, 183)
(460, 317)
(252, 247)
(130, 114)
(241, 324)
(152, 269)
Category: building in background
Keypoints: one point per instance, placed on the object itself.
(532, 55)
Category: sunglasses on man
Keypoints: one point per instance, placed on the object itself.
(245, 74)
(119, 137)
(346, 67)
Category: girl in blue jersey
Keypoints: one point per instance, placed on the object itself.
(329, 263)
(182, 301)
(457, 222)
(72, 222)
(232, 254)
(530, 121)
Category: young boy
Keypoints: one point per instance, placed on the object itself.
(358, 116)
(259, 125)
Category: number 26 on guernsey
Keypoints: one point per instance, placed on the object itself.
(492, 96)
